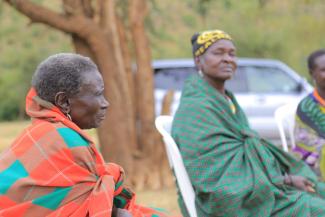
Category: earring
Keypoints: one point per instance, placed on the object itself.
(200, 73)
(69, 117)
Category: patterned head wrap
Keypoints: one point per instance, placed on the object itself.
(203, 40)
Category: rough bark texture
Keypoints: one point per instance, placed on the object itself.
(121, 141)
(148, 139)
(167, 103)
(127, 136)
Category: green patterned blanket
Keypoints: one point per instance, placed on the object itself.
(235, 172)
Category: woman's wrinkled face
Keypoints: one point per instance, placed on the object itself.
(219, 60)
(88, 107)
(318, 73)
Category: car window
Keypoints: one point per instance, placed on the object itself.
(238, 83)
(269, 80)
(172, 78)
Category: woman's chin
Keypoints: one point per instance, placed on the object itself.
(98, 123)
(227, 76)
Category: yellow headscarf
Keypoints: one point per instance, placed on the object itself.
(202, 41)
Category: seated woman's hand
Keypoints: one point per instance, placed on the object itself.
(117, 212)
(300, 182)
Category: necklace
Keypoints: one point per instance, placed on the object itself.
(231, 104)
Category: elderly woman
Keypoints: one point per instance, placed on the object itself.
(53, 168)
(310, 118)
(234, 172)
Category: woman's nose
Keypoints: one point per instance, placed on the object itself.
(228, 57)
(105, 104)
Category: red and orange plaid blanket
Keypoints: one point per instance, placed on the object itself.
(54, 169)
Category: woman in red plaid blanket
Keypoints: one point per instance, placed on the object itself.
(53, 168)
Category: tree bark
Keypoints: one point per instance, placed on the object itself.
(119, 149)
(148, 139)
(167, 102)
(144, 76)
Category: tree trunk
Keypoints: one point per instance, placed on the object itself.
(144, 76)
(118, 133)
(128, 69)
(167, 102)
(149, 139)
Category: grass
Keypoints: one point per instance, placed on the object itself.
(9, 131)
(164, 198)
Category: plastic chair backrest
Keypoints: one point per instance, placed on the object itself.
(285, 120)
(163, 125)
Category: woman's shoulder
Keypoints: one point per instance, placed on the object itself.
(41, 134)
(195, 103)
(56, 132)
(306, 98)
(42, 127)
(192, 110)
(194, 90)
(308, 101)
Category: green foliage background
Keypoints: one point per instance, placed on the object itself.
(22, 46)
(287, 30)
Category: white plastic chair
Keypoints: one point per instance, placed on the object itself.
(163, 125)
(285, 120)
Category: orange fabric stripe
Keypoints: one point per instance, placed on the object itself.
(6, 202)
(319, 98)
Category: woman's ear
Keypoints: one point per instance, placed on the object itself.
(61, 100)
(312, 75)
(197, 62)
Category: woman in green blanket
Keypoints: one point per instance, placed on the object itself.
(310, 118)
(235, 172)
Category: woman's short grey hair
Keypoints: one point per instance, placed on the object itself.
(61, 72)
